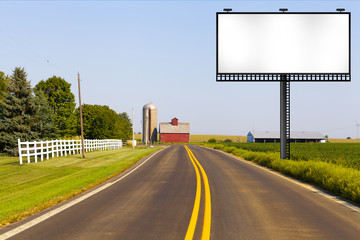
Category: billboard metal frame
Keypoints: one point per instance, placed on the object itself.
(276, 77)
(284, 79)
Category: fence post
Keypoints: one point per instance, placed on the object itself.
(20, 151)
(61, 148)
(41, 150)
(47, 149)
(35, 151)
(28, 151)
(57, 147)
(74, 146)
(52, 147)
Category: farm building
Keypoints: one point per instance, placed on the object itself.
(174, 131)
(268, 136)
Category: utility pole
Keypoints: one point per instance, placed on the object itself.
(81, 120)
(133, 128)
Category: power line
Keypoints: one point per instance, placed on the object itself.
(37, 54)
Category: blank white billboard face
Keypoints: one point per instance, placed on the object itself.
(283, 43)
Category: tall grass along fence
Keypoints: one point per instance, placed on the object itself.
(52, 148)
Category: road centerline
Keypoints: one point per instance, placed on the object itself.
(207, 212)
(194, 216)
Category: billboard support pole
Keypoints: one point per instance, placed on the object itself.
(284, 117)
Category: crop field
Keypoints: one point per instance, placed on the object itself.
(339, 140)
(31, 187)
(344, 154)
(204, 138)
(332, 166)
(197, 138)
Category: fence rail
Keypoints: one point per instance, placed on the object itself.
(56, 148)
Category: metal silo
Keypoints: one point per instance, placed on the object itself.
(149, 123)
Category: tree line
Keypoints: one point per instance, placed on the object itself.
(48, 111)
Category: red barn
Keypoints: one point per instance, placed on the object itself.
(174, 131)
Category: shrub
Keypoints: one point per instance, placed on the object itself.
(212, 140)
(219, 146)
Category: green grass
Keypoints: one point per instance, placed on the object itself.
(29, 188)
(312, 165)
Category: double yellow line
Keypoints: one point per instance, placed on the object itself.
(207, 213)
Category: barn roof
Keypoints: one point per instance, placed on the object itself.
(182, 127)
(293, 135)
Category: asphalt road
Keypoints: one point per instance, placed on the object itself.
(198, 192)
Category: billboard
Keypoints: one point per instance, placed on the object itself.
(283, 43)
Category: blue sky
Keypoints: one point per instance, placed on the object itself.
(129, 53)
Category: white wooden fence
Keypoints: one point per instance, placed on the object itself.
(56, 148)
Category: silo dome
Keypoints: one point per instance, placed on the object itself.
(149, 105)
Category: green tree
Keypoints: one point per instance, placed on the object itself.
(212, 140)
(62, 102)
(125, 116)
(44, 123)
(125, 126)
(101, 122)
(22, 115)
(3, 80)
(103, 125)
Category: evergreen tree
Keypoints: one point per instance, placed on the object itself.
(3, 80)
(22, 115)
(44, 123)
(62, 102)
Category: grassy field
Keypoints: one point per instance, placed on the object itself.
(239, 139)
(205, 138)
(331, 166)
(340, 140)
(29, 188)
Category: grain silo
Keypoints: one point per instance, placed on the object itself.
(149, 123)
